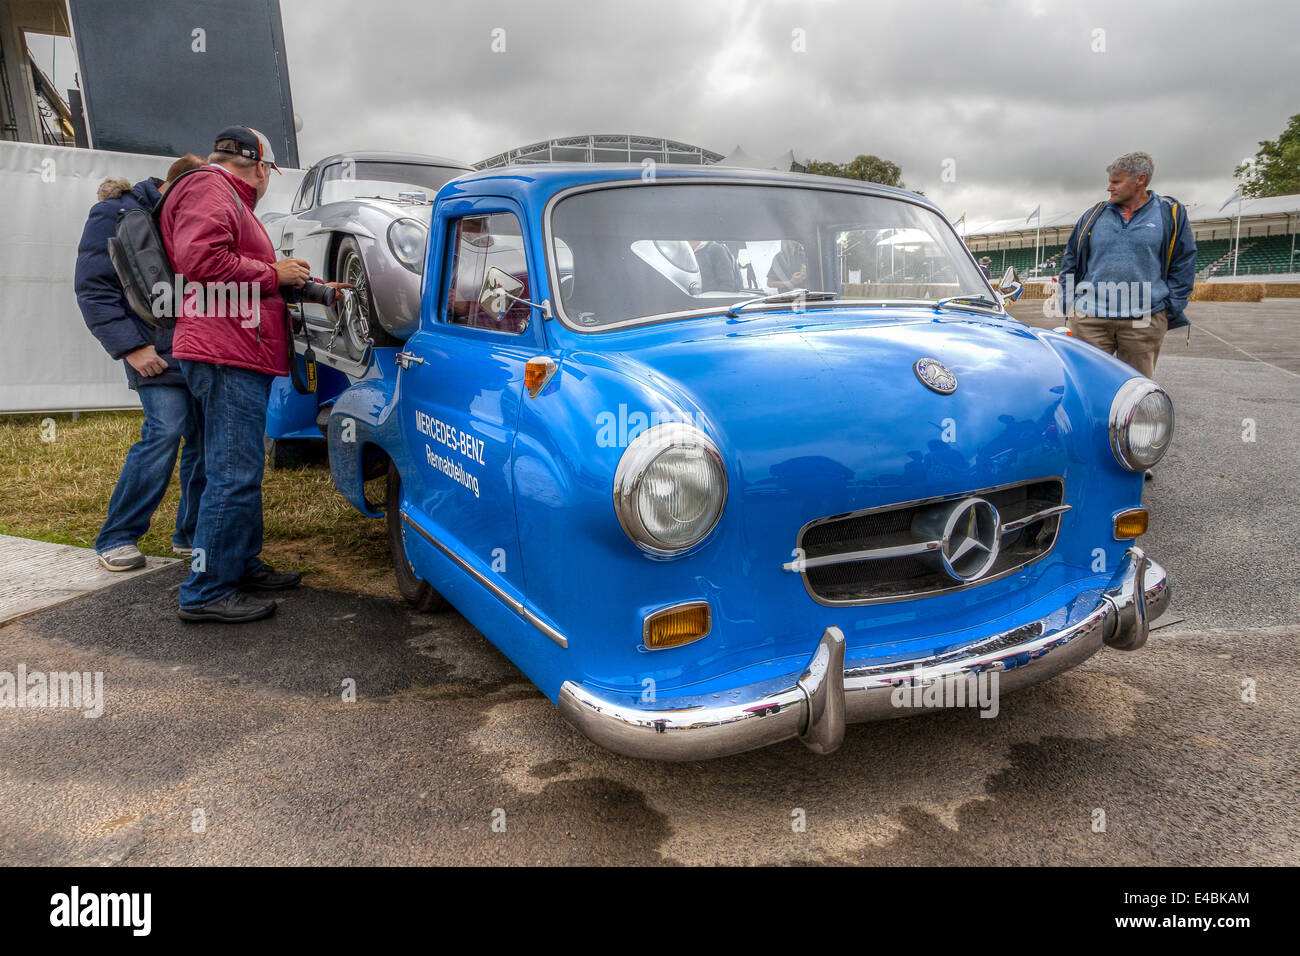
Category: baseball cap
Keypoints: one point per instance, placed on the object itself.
(251, 143)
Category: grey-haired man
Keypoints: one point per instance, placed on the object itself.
(1129, 267)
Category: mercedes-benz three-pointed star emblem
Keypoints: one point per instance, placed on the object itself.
(935, 376)
(971, 538)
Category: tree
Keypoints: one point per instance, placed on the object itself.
(871, 169)
(1276, 169)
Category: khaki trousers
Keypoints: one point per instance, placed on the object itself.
(1135, 341)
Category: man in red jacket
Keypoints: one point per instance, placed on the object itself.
(231, 339)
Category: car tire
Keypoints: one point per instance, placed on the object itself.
(415, 592)
(284, 453)
(363, 324)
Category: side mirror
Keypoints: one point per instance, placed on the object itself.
(499, 288)
(1009, 286)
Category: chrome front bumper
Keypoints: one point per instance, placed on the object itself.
(816, 707)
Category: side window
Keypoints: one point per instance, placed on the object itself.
(478, 243)
(306, 191)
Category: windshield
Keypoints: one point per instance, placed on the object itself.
(351, 180)
(654, 251)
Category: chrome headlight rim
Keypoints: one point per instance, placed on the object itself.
(1122, 408)
(415, 262)
(636, 460)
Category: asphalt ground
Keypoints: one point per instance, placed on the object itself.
(243, 729)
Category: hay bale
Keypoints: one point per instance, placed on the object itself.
(1282, 290)
(1227, 292)
(1039, 290)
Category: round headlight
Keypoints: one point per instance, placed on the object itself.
(1141, 424)
(406, 239)
(669, 488)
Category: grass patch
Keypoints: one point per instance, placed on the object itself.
(58, 490)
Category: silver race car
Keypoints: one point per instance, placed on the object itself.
(362, 218)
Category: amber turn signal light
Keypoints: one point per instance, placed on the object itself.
(537, 372)
(674, 626)
(1131, 523)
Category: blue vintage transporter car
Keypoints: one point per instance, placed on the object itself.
(721, 457)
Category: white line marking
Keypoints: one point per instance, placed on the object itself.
(1244, 352)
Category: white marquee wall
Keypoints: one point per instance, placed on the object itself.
(49, 361)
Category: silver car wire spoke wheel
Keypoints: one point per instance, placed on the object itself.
(357, 317)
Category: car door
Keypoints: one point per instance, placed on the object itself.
(302, 238)
(461, 387)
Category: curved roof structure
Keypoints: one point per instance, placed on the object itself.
(603, 148)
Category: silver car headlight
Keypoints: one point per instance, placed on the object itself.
(669, 488)
(1141, 424)
(407, 239)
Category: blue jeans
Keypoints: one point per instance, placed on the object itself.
(170, 414)
(228, 538)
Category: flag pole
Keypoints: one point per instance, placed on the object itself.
(1236, 247)
(1291, 266)
(1038, 228)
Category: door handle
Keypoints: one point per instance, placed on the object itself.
(407, 359)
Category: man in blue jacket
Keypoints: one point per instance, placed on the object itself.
(1129, 267)
(170, 413)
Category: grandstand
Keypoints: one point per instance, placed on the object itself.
(1268, 243)
(603, 148)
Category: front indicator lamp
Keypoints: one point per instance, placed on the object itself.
(675, 626)
(1130, 524)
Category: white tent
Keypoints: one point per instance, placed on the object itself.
(738, 157)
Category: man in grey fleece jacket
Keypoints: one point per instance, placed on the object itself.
(1129, 267)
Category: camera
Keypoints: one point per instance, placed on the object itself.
(311, 291)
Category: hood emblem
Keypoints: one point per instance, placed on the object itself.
(935, 376)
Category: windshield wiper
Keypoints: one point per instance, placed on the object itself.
(978, 298)
(400, 199)
(782, 297)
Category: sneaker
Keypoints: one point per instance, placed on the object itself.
(1149, 475)
(267, 578)
(234, 608)
(182, 552)
(127, 557)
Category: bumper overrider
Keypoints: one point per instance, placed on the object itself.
(826, 696)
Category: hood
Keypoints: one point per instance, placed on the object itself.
(147, 192)
(112, 188)
(833, 409)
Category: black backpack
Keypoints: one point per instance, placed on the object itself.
(140, 260)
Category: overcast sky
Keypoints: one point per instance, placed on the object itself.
(1010, 92)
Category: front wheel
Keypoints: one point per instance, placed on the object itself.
(360, 320)
(419, 594)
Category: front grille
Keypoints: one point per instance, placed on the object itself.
(889, 576)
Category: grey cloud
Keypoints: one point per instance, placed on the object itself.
(1011, 91)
